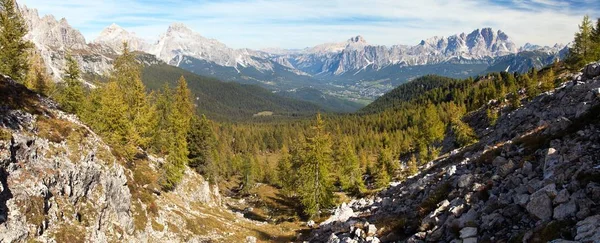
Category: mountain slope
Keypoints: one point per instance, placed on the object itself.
(225, 100)
(408, 91)
(328, 102)
(59, 182)
(523, 61)
(352, 70)
(532, 177)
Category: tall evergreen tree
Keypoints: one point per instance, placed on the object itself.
(412, 165)
(127, 74)
(548, 80)
(531, 87)
(201, 142)
(72, 97)
(350, 174)
(316, 187)
(249, 173)
(432, 129)
(37, 78)
(596, 39)
(179, 119)
(383, 172)
(14, 50)
(582, 51)
(285, 171)
(163, 106)
(111, 123)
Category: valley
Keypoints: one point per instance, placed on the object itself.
(465, 138)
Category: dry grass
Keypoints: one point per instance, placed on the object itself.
(140, 218)
(5, 135)
(16, 96)
(70, 233)
(157, 226)
(55, 130)
(435, 197)
(33, 208)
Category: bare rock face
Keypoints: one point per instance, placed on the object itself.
(57, 181)
(193, 188)
(54, 38)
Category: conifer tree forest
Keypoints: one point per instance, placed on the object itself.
(308, 159)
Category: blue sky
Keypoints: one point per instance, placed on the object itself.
(301, 23)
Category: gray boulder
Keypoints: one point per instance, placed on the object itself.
(464, 180)
(551, 161)
(468, 232)
(540, 205)
(592, 70)
(565, 210)
(588, 230)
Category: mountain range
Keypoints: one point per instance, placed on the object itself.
(352, 70)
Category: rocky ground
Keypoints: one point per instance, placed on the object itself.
(533, 177)
(61, 183)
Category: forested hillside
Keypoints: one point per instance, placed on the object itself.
(226, 100)
(328, 102)
(142, 141)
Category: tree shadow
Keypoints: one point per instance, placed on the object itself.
(5, 195)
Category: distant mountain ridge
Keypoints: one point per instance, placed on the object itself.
(350, 70)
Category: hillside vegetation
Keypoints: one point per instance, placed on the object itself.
(226, 100)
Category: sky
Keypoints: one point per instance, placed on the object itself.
(296, 24)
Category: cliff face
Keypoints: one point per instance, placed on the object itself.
(532, 177)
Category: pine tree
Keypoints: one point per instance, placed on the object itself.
(350, 174)
(72, 97)
(112, 124)
(432, 129)
(596, 39)
(163, 106)
(315, 185)
(179, 120)
(249, 174)
(127, 74)
(531, 87)
(412, 165)
(383, 170)
(548, 80)
(582, 51)
(37, 77)
(14, 50)
(201, 142)
(284, 171)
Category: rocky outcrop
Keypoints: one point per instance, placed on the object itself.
(60, 182)
(532, 177)
(55, 38)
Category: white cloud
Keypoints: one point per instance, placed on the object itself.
(301, 23)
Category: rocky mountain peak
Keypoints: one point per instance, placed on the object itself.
(179, 28)
(357, 39)
(113, 37)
